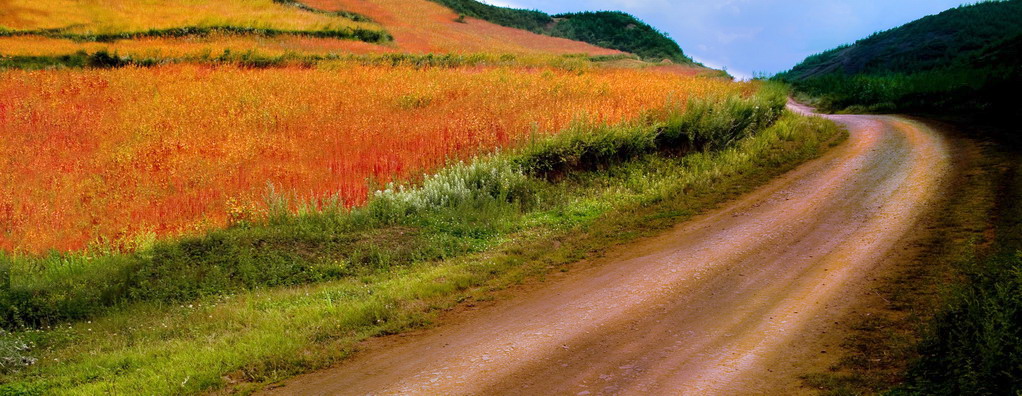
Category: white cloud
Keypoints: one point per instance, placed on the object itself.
(502, 3)
(756, 35)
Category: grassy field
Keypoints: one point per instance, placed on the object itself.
(423, 26)
(152, 152)
(263, 300)
(55, 28)
(106, 20)
(973, 346)
(202, 28)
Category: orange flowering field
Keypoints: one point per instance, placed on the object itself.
(118, 16)
(108, 155)
(418, 26)
(423, 26)
(182, 47)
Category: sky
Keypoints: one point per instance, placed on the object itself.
(756, 36)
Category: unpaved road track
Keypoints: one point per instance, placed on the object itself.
(727, 303)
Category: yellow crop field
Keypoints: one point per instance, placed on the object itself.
(120, 16)
(107, 155)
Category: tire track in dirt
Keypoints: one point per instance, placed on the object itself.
(721, 304)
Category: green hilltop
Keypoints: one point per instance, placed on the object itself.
(963, 60)
(607, 29)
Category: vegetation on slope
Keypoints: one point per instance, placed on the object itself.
(190, 166)
(207, 317)
(343, 14)
(947, 321)
(964, 60)
(531, 20)
(974, 345)
(110, 21)
(614, 30)
(357, 33)
(620, 31)
(50, 289)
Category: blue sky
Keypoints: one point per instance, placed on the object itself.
(748, 36)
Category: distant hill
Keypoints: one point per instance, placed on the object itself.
(963, 59)
(608, 29)
(925, 44)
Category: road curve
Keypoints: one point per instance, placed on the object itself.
(721, 304)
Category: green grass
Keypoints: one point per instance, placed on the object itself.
(974, 344)
(78, 60)
(260, 302)
(256, 59)
(620, 31)
(360, 34)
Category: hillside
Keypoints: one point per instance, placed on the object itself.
(57, 32)
(964, 59)
(422, 26)
(263, 28)
(952, 37)
(114, 20)
(608, 29)
(185, 228)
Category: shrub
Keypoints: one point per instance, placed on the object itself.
(489, 179)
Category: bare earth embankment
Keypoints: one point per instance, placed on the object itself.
(731, 302)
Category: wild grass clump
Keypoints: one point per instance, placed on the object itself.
(707, 123)
(104, 59)
(718, 123)
(488, 179)
(975, 347)
(586, 145)
(14, 353)
(974, 344)
(80, 59)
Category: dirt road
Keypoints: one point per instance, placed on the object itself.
(731, 302)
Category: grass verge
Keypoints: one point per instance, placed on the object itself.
(974, 344)
(256, 59)
(946, 321)
(261, 302)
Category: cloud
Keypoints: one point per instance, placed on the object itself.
(764, 36)
(503, 3)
